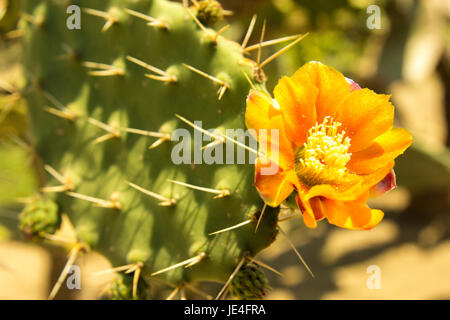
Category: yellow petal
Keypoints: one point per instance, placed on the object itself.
(331, 84)
(375, 218)
(267, 126)
(273, 188)
(260, 108)
(296, 98)
(384, 149)
(364, 116)
(308, 215)
(278, 147)
(355, 215)
(352, 189)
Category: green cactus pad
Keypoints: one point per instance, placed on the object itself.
(59, 63)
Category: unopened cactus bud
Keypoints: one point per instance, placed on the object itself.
(250, 283)
(40, 216)
(209, 12)
(121, 288)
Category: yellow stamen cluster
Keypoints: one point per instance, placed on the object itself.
(323, 157)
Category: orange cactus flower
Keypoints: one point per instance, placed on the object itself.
(335, 146)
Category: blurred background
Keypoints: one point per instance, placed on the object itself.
(407, 57)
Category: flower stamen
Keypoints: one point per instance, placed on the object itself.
(324, 156)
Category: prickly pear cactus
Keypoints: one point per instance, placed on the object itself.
(100, 95)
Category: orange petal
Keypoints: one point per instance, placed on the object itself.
(308, 215)
(384, 149)
(364, 116)
(351, 190)
(355, 215)
(273, 188)
(375, 218)
(278, 147)
(296, 98)
(262, 118)
(260, 108)
(332, 86)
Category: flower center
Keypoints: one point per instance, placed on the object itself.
(323, 157)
